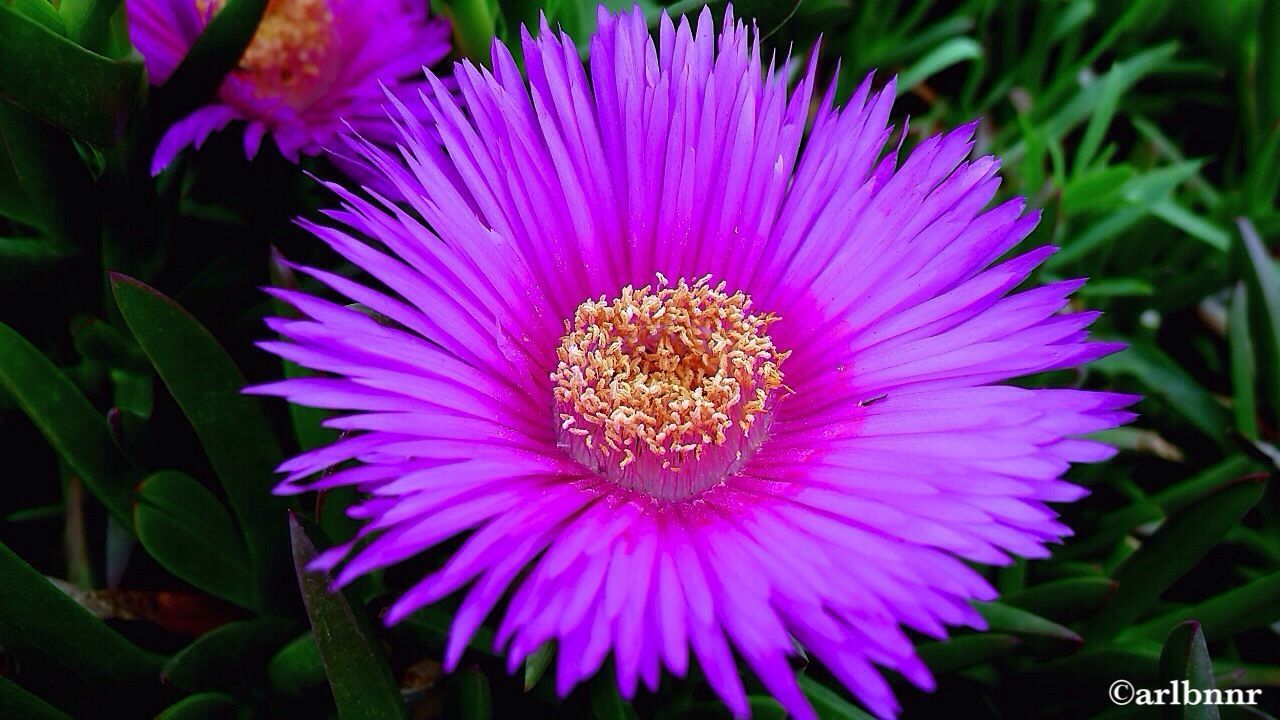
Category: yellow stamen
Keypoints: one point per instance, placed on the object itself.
(683, 373)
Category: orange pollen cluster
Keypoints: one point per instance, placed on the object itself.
(290, 44)
(666, 375)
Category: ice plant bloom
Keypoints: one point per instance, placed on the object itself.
(693, 382)
(311, 66)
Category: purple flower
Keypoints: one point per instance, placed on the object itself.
(312, 66)
(686, 376)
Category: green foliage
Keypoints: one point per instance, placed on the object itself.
(1147, 132)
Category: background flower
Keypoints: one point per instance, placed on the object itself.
(312, 67)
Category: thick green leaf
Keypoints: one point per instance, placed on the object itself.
(66, 419)
(204, 706)
(1095, 190)
(1185, 658)
(191, 534)
(828, 703)
(362, 685)
(1006, 618)
(1162, 376)
(536, 664)
(235, 432)
(1181, 494)
(1197, 226)
(1141, 194)
(44, 182)
(16, 702)
(222, 657)
(1065, 600)
(466, 697)
(951, 52)
(88, 21)
(1111, 528)
(1172, 551)
(474, 24)
(297, 669)
(1263, 282)
(1243, 368)
(1256, 604)
(607, 704)
(966, 651)
(38, 619)
(89, 97)
(1113, 86)
(33, 251)
(214, 54)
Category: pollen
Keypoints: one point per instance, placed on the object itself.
(666, 388)
(289, 51)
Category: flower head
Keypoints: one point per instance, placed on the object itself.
(687, 377)
(311, 66)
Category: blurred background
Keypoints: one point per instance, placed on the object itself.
(1147, 131)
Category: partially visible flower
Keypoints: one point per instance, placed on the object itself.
(311, 67)
(691, 382)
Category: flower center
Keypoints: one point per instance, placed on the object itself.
(667, 391)
(289, 49)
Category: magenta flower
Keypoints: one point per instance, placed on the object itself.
(687, 379)
(312, 66)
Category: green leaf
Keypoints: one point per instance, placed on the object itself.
(828, 703)
(1181, 494)
(1113, 86)
(235, 432)
(1065, 600)
(66, 419)
(44, 182)
(1006, 618)
(1186, 658)
(952, 52)
(222, 657)
(88, 22)
(89, 97)
(1162, 376)
(965, 651)
(1244, 405)
(297, 670)
(474, 24)
(1117, 287)
(15, 702)
(204, 706)
(1140, 194)
(1170, 211)
(1173, 550)
(1253, 605)
(1261, 279)
(1095, 190)
(362, 685)
(536, 664)
(466, 697)
(38, 619)
(33, 252)
(608, 704)
(42, 12)
(191, 534)
(214, 54)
